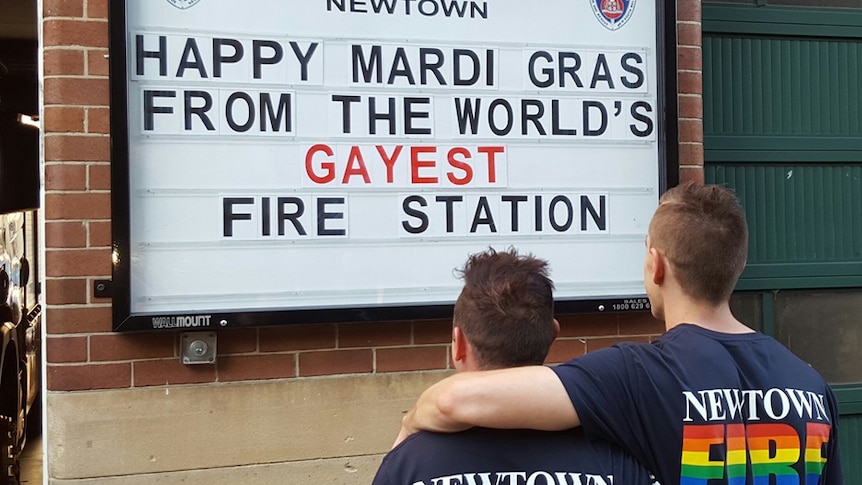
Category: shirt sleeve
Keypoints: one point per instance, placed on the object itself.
(604, 387)
(833, 472)
(382, 477)
(392, 466)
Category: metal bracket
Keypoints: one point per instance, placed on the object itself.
(198, 347)
(103, 288)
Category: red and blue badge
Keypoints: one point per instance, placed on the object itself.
(613, 14)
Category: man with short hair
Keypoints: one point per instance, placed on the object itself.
(710, 402)
(504, 318)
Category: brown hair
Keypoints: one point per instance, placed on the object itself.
(506, 309)
(702, 231)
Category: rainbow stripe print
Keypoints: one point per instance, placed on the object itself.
(727, 453)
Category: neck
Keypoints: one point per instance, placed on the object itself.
(718, 318)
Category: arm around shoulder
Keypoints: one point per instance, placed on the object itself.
(524, 397)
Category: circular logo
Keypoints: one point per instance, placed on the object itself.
(613, 14)
(183, 4)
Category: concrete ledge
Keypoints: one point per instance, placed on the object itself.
(334, 471)
(342, 421)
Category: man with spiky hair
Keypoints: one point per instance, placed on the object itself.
(711, 402)
(504, 318)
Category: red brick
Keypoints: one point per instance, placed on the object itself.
(691, 107)
(85, 91)
(563, 350)
(690, 82)
(78, 262)
(100, 234)
(65, 177)
(691, 130)
(90, 376)
(594, 344)
(99, 120)
(64, 119)
(691, 174)
(60, 234)
(256, 367)
(63, 62)
(99, 176)
(588, 324)
(97, 9)
(297, 337)
(77, 206)
(640, 323)
(373, 334)
(335, 362)
(66, 349)
(412, 358)
(77, 148)
(170, 372)
(237, 341)
(97, 63)
(62, 31)
(688, 10)
(65, 291)
(63, 8)
(433, 332)
(132, 346)
(689, 58)
(689, 34)
(90, 319)
(691, 154)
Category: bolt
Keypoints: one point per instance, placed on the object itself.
(198, 347)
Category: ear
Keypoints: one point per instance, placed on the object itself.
(459, 345)
(556, 329)
(657, 266)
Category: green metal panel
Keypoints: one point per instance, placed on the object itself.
(804, 221)
(783, 127)
(783, 87)
(850, 441)
(850, 430)
(849, 400)
(776, 20)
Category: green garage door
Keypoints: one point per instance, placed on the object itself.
(783, 127)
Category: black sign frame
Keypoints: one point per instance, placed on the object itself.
(125, 320)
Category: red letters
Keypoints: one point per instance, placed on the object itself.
(492, 160)
(425, 165)
(355, 158)
(327, 165)
(416, 164)
(460, 164)
(389, 161)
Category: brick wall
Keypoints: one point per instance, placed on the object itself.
(690, 87)
(77, 191)
(83, 353)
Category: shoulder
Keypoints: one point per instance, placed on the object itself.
(401, 461)
(618, 358)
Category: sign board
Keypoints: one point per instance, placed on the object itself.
(280, 161)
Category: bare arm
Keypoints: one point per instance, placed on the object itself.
(523, 397)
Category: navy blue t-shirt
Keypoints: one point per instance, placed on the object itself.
(699, 407)
(481, 456)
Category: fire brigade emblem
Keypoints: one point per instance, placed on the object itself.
(613, 14)
(183, 4)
